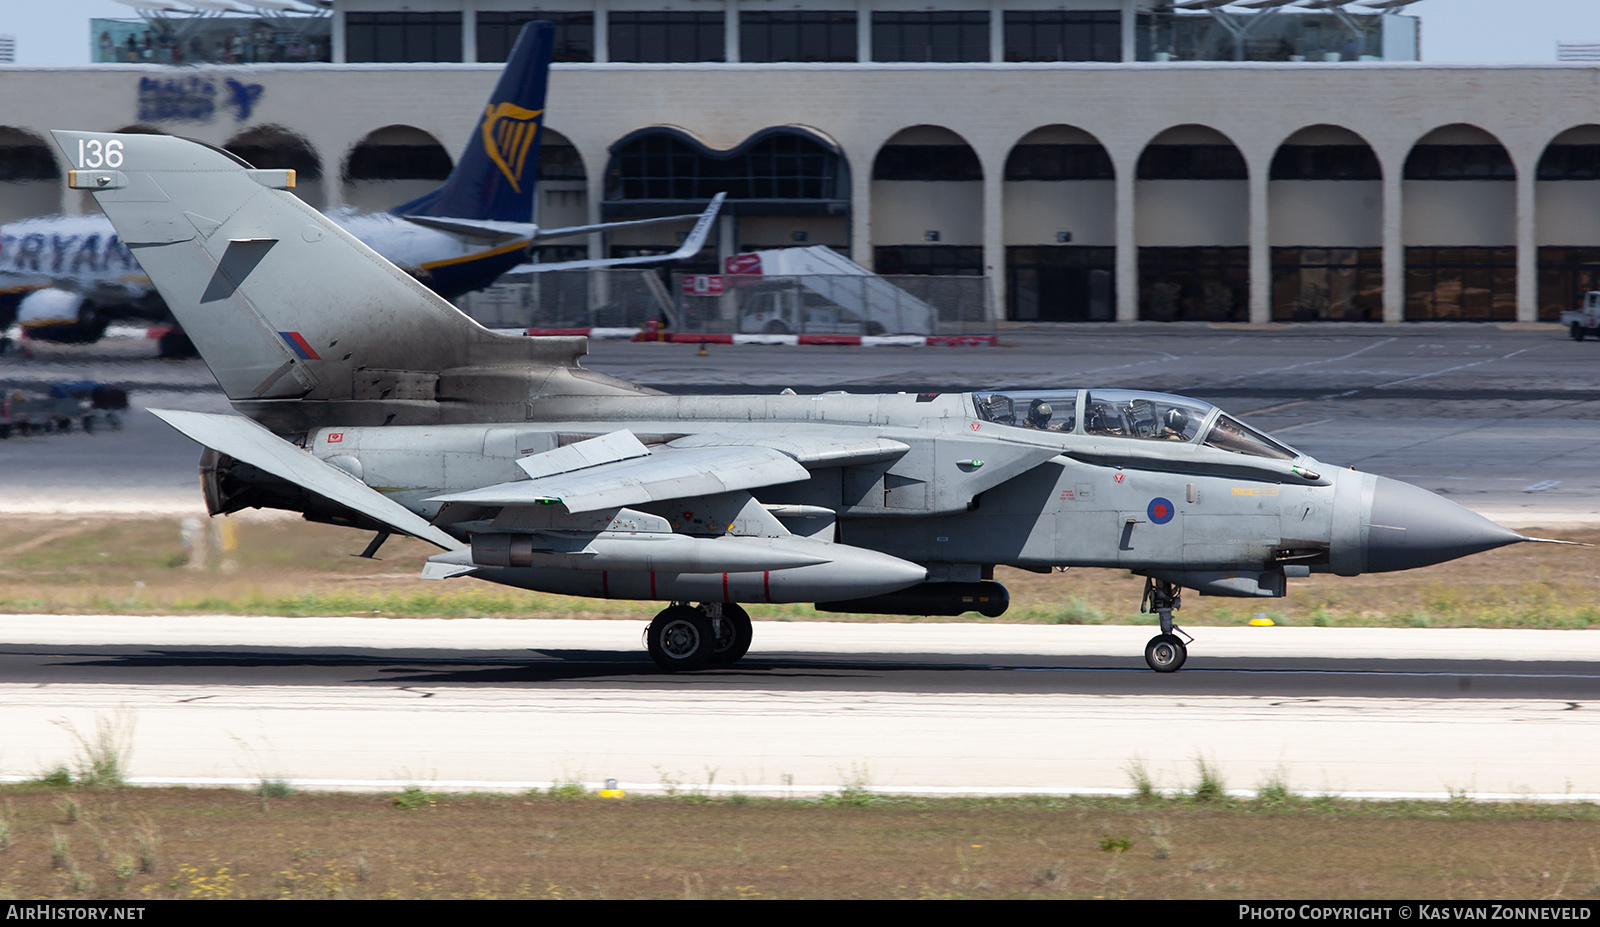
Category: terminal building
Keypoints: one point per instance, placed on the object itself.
(1094, 160)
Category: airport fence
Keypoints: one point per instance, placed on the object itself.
(737, 304)
(575, 299)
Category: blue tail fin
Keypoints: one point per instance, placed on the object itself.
(495, 178)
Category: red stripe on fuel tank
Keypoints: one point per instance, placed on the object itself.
(652, 584)
(766, 586)
(724, 587)
(605, 583)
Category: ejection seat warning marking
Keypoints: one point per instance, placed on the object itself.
(335, 437)
(1160, 510)
(1255, 490)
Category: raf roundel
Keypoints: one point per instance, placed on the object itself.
(1160, 510)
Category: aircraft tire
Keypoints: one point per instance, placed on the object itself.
(1165, 653)
(1578, 331)
(680, 639)
(734, 640)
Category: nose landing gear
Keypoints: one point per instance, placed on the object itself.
(1166, 652)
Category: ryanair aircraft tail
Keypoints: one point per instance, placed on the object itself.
(496, 176)
(299, 321)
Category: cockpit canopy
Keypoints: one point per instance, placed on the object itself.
(1124, 413)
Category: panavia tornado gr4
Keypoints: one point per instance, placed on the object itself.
(369, 401)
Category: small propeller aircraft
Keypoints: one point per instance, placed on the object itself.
(370, 402)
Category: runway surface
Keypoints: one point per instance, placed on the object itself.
(928, 708)
(1504, 419)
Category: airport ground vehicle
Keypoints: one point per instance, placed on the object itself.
(1585, 320)
(84, 405)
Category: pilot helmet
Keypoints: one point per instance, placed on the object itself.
(1039, 413)
(1177, 420)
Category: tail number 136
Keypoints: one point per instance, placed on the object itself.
(94, 153)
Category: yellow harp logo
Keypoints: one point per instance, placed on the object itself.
(508, 133)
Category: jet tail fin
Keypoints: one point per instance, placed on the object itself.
(496, 176)
(284, 304)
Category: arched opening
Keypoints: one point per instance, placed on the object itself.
(1567, 204)
(563, 195)
(1060, 227)
(30, 176)
(276, 148)
(1461, 256)
(927, 204)
(787, 186)
(1191, 208)
(393, 165)
(1325, 227)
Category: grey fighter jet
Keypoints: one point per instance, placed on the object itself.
(368, 401)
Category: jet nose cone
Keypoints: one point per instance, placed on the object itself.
(1410, 527)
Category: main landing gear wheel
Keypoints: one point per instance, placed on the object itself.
(1165, 653)
(733, 632)
(680, 638)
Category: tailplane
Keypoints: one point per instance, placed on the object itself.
(497, 174)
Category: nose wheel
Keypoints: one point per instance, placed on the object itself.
(1166, 652)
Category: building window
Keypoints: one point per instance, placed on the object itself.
(1194, 284)
(1325, 162)
(928, 260)
(1302, 36)
(777, 166)
(402, 37)
(27, 162)
(946, 36)
(1191, 162)
(1570, 162)
(1059, 162)
(668, 37)
(574, 39)
(1327, 284)
(560, 162)
(1472, 284)
(1054, 35)
(793, 36)
(926, 162)
(1459, 162)
(398, 162)
(1061, 283)
(1565, 274)
(270, 150)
